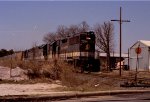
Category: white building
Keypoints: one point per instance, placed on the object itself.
(140, 61)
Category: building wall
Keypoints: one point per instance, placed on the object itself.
(142, 62)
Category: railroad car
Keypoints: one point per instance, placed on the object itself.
(78, 49)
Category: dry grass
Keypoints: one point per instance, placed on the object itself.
(59, 70)
(35, 69)
(86, 81)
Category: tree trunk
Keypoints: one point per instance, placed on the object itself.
(108, 62)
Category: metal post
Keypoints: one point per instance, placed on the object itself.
(120, 22)
(137, 66)
(11, 65)
(128, 59)
(120, 41)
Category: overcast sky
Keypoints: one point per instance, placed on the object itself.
(22, 23)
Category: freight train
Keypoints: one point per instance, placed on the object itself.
(78, 49)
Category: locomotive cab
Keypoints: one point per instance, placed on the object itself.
(87, 52)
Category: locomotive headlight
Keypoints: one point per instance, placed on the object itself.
(88, 38)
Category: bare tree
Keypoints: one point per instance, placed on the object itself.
(105, 39)
(62, 31)
(73, 29)
(84, 27)
(50, 37)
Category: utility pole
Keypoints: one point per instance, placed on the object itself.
(120, 22)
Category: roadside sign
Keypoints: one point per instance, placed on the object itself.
(138, 50)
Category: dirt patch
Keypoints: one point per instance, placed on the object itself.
(28, 89)
(16, 74)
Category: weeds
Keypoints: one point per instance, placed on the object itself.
(35, 69)
(42, 71)
(59, 70)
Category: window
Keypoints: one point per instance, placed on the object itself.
(64, 40)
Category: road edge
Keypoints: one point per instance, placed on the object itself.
(64, 95)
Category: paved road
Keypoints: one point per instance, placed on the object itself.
(115, 98)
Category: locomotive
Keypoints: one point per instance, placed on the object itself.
(78, 50)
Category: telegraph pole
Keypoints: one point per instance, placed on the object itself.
(120, 22)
